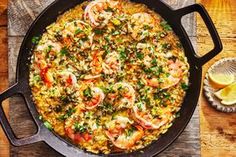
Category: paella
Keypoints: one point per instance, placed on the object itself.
(109, 76)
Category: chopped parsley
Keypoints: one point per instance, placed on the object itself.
(154, 61)
(88, 114)
(179, 45)
(166, 46)
(78, 31)
(161, 35)
(49, 48)
(88, 93)
(146, 27)
(120, 76)
(69, 112)
(48, 125)
(98, 31)
(140, 84)
(107, 90)
(166, 26)
(155, 70)
(184, 86)
(35, 40)
(130, 131)
(107, 51)
(109, 9)
(107, 107)
(107, 38)
(139, 55)
(80, 128)
(177, 115)
(161, 95)
(123, 54)
(140, 106)
(65, 99)
(64, 51)
(116, 33)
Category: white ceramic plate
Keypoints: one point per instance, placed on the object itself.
(226, 65)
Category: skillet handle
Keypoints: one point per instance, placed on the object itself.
(211, 28)
(15, 89)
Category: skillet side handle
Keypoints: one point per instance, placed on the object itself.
(15, 89)
(211, 28)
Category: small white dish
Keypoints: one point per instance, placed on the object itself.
(226, 65)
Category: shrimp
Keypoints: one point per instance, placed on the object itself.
(176, 72)
(124, 141)
(96, 99)
(44, 69)
(146, 120)
(46, 76)
(96, 14)
(69, 78)
(70, 129)
(55, 46)
(74, 28)
(117, 132)
(112, 63)
(77, 29)
(118, 124)
(137, 23)
(123, 95)
(153, 82)
(175, 69)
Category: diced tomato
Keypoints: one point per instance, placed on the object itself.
(87, 136)
(70, 133)
(43, 73)
(69, 80)
(78, 137)
(45, 76)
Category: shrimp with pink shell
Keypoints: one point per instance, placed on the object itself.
(96, 12)
(122, 95)
(144, 117)
(123, 133)
(112, 64)
(93, 96)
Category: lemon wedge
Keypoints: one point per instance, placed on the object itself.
(227, 94)
(221, 80)
(228, 102)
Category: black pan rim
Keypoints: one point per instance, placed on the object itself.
(69, 143)
(174, 19)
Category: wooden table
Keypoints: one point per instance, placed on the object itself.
(218, 130)
(4, 146)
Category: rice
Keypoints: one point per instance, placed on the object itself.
(109, 78)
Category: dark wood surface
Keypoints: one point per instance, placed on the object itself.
(21, 14)
(4, 145)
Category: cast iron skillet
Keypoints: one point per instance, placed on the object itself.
(48, 16)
